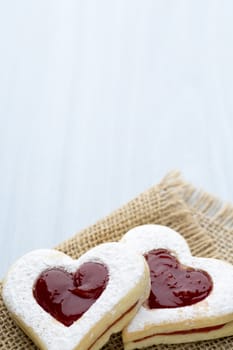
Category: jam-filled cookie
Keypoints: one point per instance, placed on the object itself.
(191, 298)
(66, 304)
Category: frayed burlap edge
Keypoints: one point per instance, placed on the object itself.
(162, 204)
(215, 217)
(173, 203)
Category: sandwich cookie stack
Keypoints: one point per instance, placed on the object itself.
(148, 286)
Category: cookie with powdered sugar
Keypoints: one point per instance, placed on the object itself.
(191, 298)
(66, 304)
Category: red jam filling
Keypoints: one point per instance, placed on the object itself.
(189, 331)
(172, 284)
(67, 296)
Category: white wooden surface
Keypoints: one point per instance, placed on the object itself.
(98, 100)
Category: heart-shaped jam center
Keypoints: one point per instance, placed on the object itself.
(172, 284)
(67, 296)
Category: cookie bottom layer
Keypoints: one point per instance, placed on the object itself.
(116, 327)
(182, 337)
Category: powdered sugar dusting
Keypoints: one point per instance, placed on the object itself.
(144, 238)
(125, 272)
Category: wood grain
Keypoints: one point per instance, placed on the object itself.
(98, 100)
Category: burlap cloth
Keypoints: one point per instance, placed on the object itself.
(203, 220)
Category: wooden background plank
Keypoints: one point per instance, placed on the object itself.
(98, 100)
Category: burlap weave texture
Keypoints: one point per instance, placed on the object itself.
(204, 221)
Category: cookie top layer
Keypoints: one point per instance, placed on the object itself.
(216, 307)
(126, 270)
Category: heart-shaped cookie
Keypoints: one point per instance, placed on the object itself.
(66, 304)
(191, 298)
